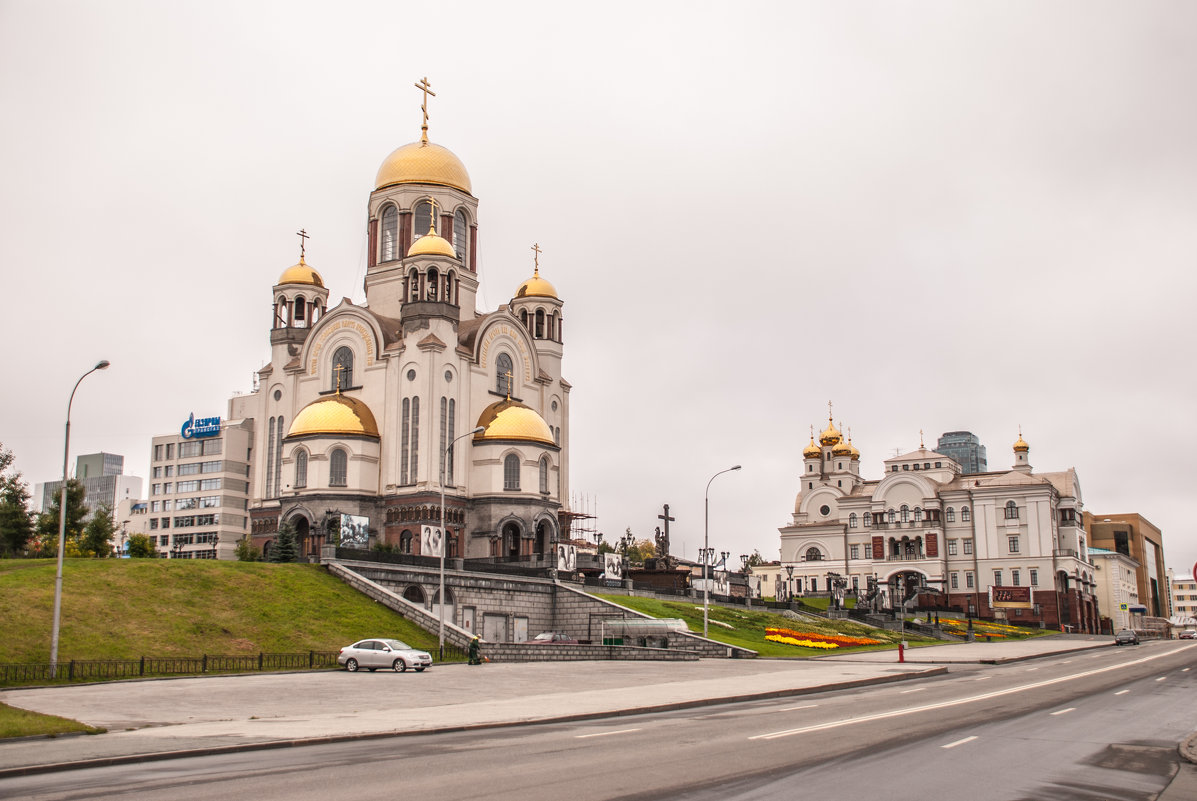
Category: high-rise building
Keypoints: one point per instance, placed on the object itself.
(102, 480)
(965, 449)
(1134, 535)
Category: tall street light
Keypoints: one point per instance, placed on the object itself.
(706, 533)
(445, 535)
(62, 503)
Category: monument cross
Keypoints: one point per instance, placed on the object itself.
(303, 237)
(426, 88)
(536, 257)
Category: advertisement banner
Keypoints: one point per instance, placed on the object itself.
(567, 558)
(1012, 598)
(355, 531)
(204, 427)
(432, 541)
(612, 566)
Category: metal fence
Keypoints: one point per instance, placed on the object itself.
(101, 669)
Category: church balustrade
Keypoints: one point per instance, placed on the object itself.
(908, 557)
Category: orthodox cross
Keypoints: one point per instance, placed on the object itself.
(922, 447)
(426, 88)
(665, 538)
(303, 237)
(339, 369)
(432, 215)
(536, 256)
(829, 411)
(509, 377)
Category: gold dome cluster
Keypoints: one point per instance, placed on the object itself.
(301, 274)
(423, 163)
(830, 435)
(508, 419)
(336, 415)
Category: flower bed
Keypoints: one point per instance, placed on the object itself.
(807, 639)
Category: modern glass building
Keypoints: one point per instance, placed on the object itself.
(965, 448)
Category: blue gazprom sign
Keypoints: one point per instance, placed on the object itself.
(204, 427)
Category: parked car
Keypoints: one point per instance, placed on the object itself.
(1188, 634)
(553, 638)
(383, 653)
(1126, 637)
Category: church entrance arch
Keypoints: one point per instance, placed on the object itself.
(544, 535)
(511, 541)
(904, 585)
(415, 594)
(303, 532)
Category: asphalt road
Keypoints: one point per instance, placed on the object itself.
(1094, 725)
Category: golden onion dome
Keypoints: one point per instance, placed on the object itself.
(842, 448)
(432, 244)
(423, 163)
(536, 287)
(1021, 446)
(812, 451)
(301, 274)
(336, 415)
(510, 419)
(852, 451)
(829, 435)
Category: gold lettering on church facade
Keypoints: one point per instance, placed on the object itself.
(509, 332)
(354, 325)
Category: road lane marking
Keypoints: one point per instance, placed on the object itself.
(804, 706)
(958, 702)
(1122, 692)
(1161, 678)
(1066, 662)
(915, 690)
(1184, 670)
(1065, 711)
(604, 733)
(960, 742)
(1031, 669)
(984, 678)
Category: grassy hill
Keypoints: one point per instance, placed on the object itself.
(127, 608)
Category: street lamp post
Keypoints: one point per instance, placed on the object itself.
(445, 538)
(706, 534)
(66, 450)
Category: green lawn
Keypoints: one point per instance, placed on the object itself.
(746, 627)
(127, 608)
(19, 723)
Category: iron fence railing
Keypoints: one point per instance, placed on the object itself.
(101, 669)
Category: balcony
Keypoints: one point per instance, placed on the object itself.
(910, 557)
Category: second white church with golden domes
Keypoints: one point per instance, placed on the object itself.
(355, 410)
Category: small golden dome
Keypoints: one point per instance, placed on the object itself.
(1021, 446)
(829, 435)
(301, 274)
(842, 449)
(852, 451)
(423, 163)
(510, 419)
(812, 451)
(536, 287)
(432, 245)
(335, 414)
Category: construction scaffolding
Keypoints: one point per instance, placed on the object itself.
(579, 523)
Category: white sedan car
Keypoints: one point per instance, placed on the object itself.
(383, 653)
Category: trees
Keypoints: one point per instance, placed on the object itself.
(47, 522)
(246, 550)
(96, 538)
(16, 523)
(286, 549)
(140, 547)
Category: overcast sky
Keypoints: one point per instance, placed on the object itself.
(938, 216)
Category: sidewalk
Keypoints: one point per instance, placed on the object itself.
(166, 718)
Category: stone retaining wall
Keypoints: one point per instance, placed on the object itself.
(525, 652)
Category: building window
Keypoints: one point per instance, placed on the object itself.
(868, 519)
(544, 475)
(504, 375)
(1034, 577)
(511, 472)
(968, 547)
(965, 515)
(868, 550)
(893, 468)
(955, 581)
(1011, 510)
(278, 461)
(461, 235)
(997, 578)
(918, 515)
(1015, 577)
(423, 222)
(853, 551)
(404, 440)
(390, 234)
(1013, 544)
(452, 428)
(968, 580)
(951, 547)
(444, 456)
(301, 469)
(157, 453)
(338, 468)
(852, 520)
(415, 440)
(342, 369)
(269, 458)
(891, 516)
(951, 514)
(814, 555)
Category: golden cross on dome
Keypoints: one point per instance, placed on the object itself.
(509, 377)
(432, 215)
(922, 447)
(303, 237)
(339, 369)
(536, 257)
(829, 411)
(426, 88)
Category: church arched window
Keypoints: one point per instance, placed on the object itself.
(511, 472)
(423, 219)
(524, 318)
(504, 374)
(1011, 510)
(434, 282)
(951, 514)
(338, 468)
(390, 234)
(461, 235)
(544, 475)
(965, 515)
(413, 286)
(905, 511)
(852, 520)
(450, 285)
(342, 368)
(300, 315)
(814, 555)
(539, 333)
(301, 469)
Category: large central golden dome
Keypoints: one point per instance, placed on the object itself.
(510, 419)
(335, 415)
(423, 163)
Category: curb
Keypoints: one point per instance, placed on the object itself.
(98, 762)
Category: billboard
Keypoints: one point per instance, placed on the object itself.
(355, 531)
(432, 541)
(1012, 598)
(204, 427)
(567, 557)
(612, 566)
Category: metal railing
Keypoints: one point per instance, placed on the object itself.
(101, 669)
